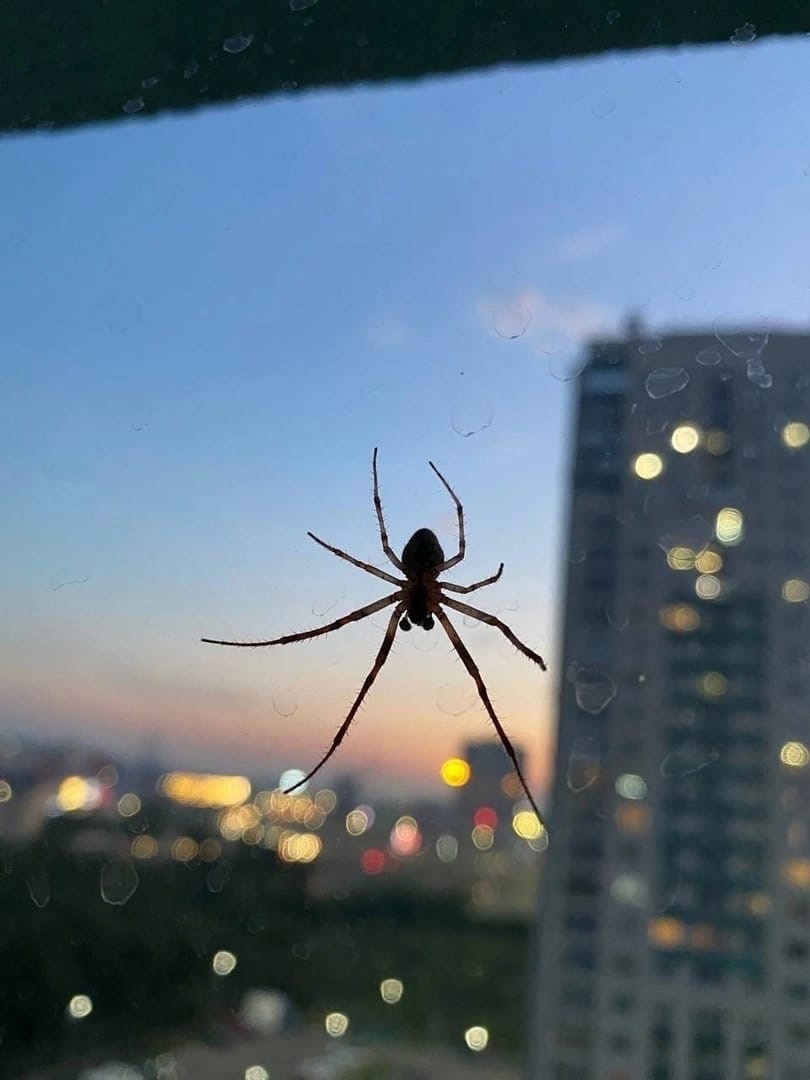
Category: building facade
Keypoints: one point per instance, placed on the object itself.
(674, 939)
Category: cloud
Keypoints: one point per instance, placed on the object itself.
(586, 243)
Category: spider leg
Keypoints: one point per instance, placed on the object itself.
(462, 543)
(471, 588)
(354, 616)
(493, 620)
(382, 656)
(380, 521)
(471, 667)
(356, 562)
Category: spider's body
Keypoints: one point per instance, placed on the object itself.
(422, 558)
(418, 598)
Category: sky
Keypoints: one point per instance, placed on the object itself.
(209, 320)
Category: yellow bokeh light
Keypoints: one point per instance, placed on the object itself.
(76, 793)
(129, 805)
(648, 466)
(709, 562)
(666, 932)
(80, 1006)
(184, 849)
(714, 684)
(391, 990)
(357, 821)
(527, 825)
(224, 962)
(796, 873)
(680, 617)
(795, 434)
(336, 1024)
(708, 587)
(681, 558)
(455, 772)
(325, 800)
(5, 791)
(685, 438)
(794, 754)
(204, 790)
(144, 847)
(256, 1072)
(728, 527)
(210, 849)
(299, 847)
(633, 818)
(476, 1038)
(795, 591)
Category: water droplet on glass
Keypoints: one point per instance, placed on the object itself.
(583, 764)
(694, 533)
(684, 762)
(511, 321)
(423, 642)
(656, 425)
(566, 368)
(577, 553)
(134, 105)
(593, 689)
(665, 381)
(617, 618)
(471, 417)
(217, 877)
(612, 16)
(747, 344)
(456, 698)
(149, 82)
(302, 5)
(39, 888)
(604, 107)
(743, 34)
(191, 69)
(653, 345)
(285, 701)
(237, 43)
(119, 880)
(755, 370)
(708, 357)
(684, 293)
(319, 609)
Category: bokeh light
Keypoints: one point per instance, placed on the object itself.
(794, 754)
(455, 772)
(795, 434)
(129, 805)
(336, 1024)
(476, 1038)
(648, 466)
(79, 1006)
(685, 438)
(391, 991)
(224, 962)
(795, 591)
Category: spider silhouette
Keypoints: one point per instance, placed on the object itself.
(418, 598)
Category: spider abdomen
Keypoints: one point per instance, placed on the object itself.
(422, 555)
(419, 606)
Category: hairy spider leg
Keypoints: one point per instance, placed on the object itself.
(382, 656)
(462, 543)
(354, 616)
(470, 665)
(356, 562)
(380, 521)
(471, 588)
(493, 620)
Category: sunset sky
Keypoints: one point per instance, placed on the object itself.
(208, 321)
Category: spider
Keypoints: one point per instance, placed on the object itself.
(418, 598)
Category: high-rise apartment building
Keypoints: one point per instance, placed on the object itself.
(675, 902)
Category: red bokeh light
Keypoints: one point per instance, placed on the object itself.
(485, 815)
(372, 861)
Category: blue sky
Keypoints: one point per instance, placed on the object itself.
(209, 321)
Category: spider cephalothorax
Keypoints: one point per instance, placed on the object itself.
(419, 597)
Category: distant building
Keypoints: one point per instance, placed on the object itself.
(492, 782)
(675, 907)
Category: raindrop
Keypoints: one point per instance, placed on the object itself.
(285, 701)
(39, 888)
(583, 764)
(612, 16)
(746, 344)
(593, 689)
(564, 369)
(685, 294)
(694, 533)
(708, 357)
(134, 105)
(653, 345)
(217, 877)
(472, 418)
(423, 642)
(656, 425)
(743, 34)
(119, 880)
(604, 107)
(237, 43)
(149, 82)
(755, 370)
(511, 321)
(302, 5)
(665, 381)
(617, 618)
(319, 610)
(682, 763)
(191, 69)
(455, 698)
